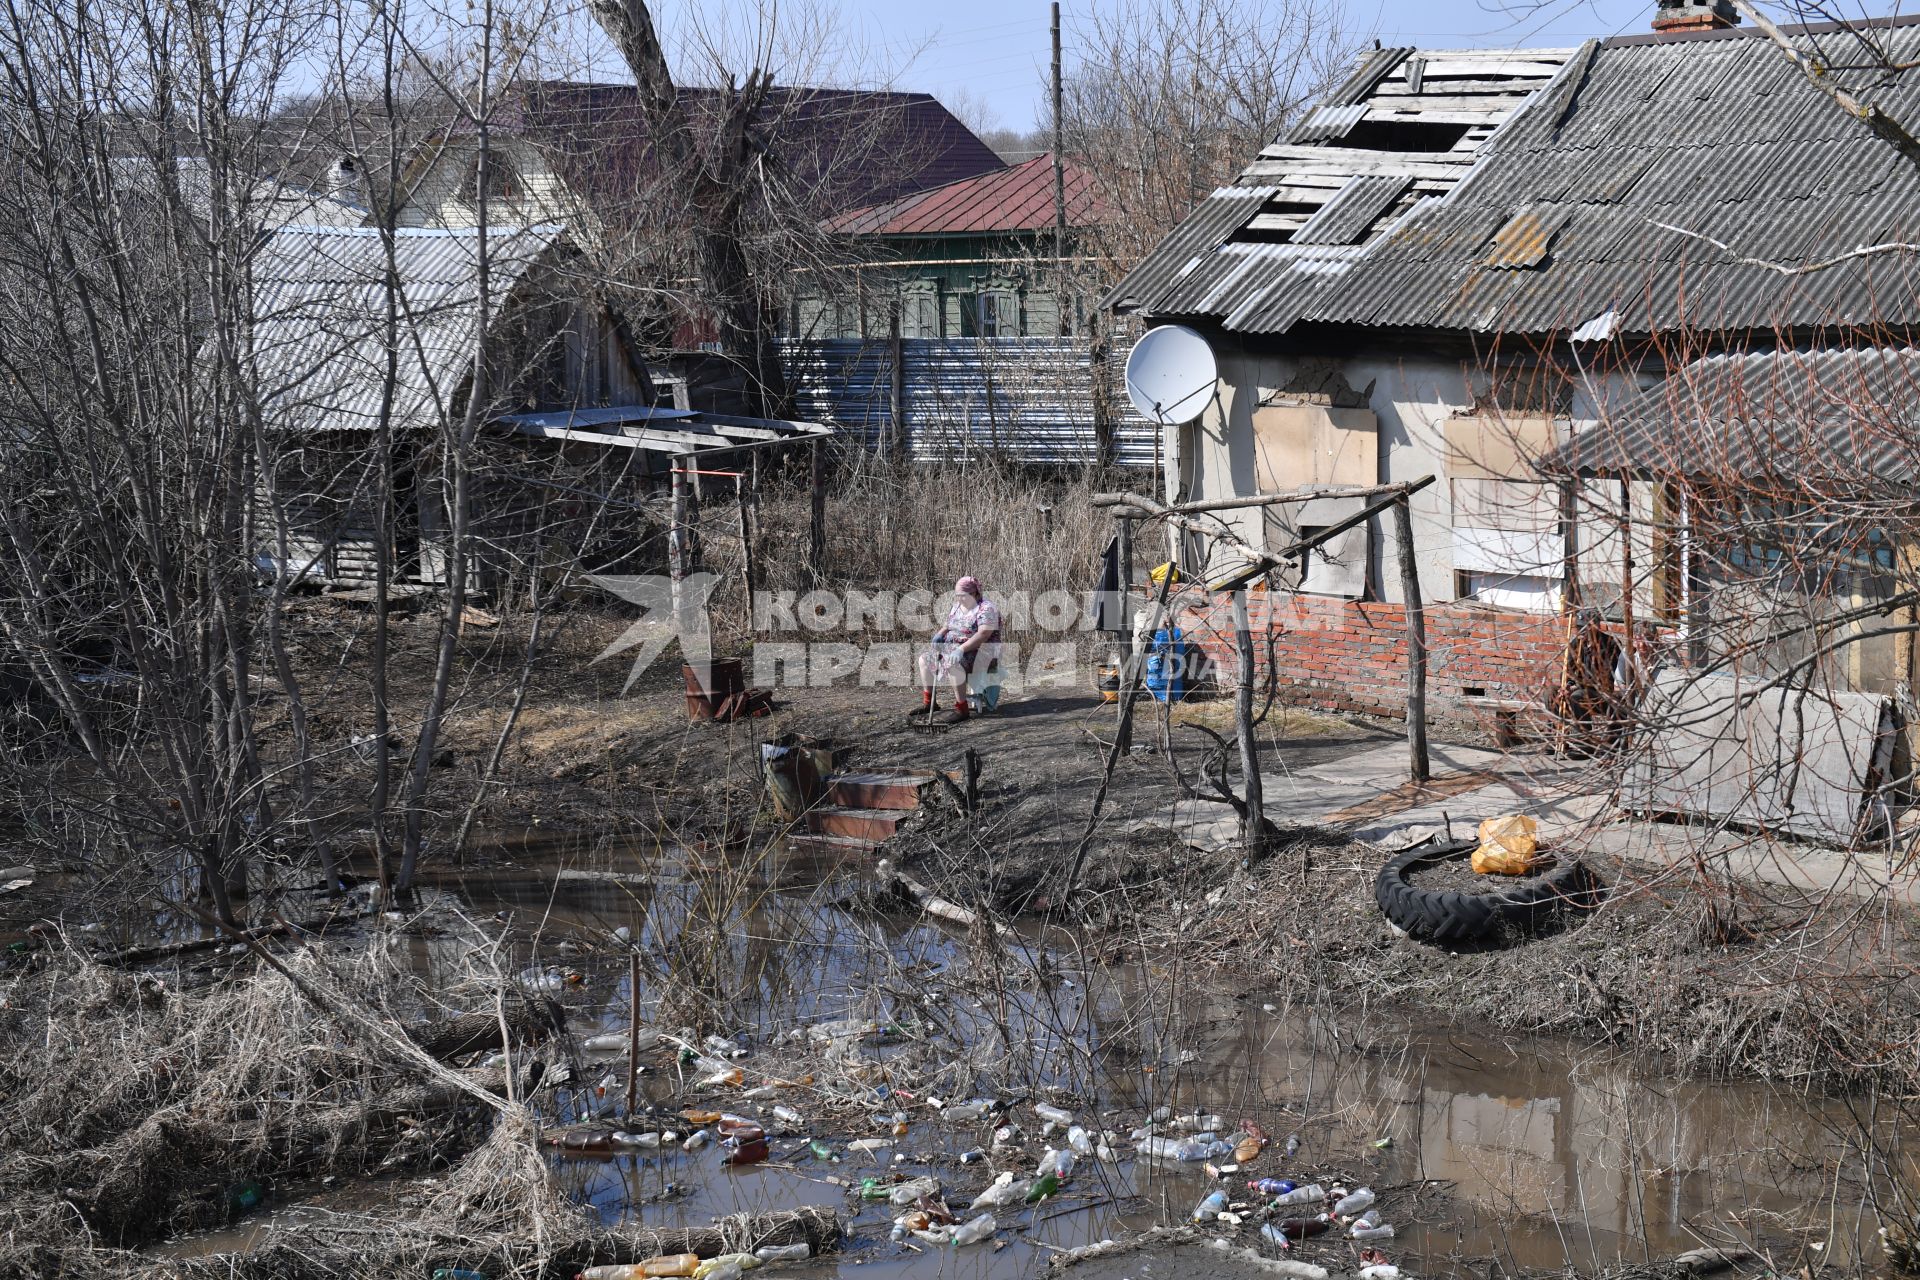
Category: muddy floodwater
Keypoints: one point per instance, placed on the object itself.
(1533, 1152)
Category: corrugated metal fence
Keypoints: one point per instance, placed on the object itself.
(1039, 400)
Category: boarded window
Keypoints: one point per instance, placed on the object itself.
(1507, 545)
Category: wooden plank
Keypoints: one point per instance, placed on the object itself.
(1278, 222)
(1434, 164)
(1443, 66)
(1427, 115)
(1509, 91)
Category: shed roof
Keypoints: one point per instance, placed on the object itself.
(1603, 188)
(1019, 198)
(1794, 420)
(319, 320)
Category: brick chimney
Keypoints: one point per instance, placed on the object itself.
(1694, 15)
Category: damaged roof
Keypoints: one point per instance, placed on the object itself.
(1806, 419)
(1665, 179)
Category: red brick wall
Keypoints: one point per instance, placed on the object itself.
(1343, 655)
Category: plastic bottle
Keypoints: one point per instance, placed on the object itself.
(1197, 1123)
(1080, 1141)
(621, 1138)
(783, 1252)
(1380, 1271)
(1270, 1186)
(965, 1112)
(1005, 1134)
(1217, 1148)
(1312, 1193)
(981, 1228)
(820, 1150)
(866, 1145)
(1301, 1228)
(1293, 1145)
(1159, 1148)
(671, 1264)
(787, 1115)
(1382, 1232)
(696, 1140)
(1274, 1236)
(872, 1189)
(752, 1152)
(712, 1266)
(617, 1041)
(1352, 1204)
(1006, 1189)
(458, 1273)
(974, 1156)
(1371, 1218)
(1044, 1186)
(1209, 1209)
(1055, 1114)
(727, 1270)
(1190, 1151)
(907, 1192)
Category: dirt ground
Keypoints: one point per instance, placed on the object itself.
(1751, 986)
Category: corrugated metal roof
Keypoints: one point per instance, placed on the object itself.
(1015, 199)
(319, 321)
(1841, 419)
(1345, 218)
(1644, 154)
(1339, 177)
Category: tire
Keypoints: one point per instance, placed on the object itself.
(1453, 917)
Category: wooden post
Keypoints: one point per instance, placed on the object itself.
(971, 760)
(677, 542)
(1252, 822)
(1626, 589)
(746, 545)
(1416, 642)
(1125, 537)
(817, 523)
(633, 1028)
(1569, 545)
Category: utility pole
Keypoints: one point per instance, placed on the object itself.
(1059, 183)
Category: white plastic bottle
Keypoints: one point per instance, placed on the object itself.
(981, 1228)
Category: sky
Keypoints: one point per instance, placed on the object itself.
(995, 52)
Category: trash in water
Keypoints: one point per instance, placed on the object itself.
(1211, 1207)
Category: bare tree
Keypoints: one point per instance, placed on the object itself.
(1166, 101)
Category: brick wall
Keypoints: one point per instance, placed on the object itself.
(1344, 655)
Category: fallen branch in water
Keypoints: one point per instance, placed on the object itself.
(935, 905)
(321, 1253)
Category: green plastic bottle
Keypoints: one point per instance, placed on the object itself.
(821, 1151)
(1046, 1186)
(870, 1189)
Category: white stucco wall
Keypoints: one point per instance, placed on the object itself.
(1412, 397)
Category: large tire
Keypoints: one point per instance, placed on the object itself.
(1450, 916)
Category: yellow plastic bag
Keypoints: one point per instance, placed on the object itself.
(1507, 846)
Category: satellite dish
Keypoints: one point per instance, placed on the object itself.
(1171, 375)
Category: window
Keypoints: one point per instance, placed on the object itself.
(920, 310)
(1507, 548)
(494, 175)
(995, 313)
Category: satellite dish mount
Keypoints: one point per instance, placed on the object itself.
(1171, 375)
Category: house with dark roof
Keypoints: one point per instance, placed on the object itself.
(973, 258)
(1466, 261)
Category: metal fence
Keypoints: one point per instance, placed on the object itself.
(1037, 400)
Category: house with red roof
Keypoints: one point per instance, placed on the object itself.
(972, 258)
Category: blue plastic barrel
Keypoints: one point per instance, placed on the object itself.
(1166, 666)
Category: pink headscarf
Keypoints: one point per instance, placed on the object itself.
(968, 586)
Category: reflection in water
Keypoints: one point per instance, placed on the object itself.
(1555, 1156)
